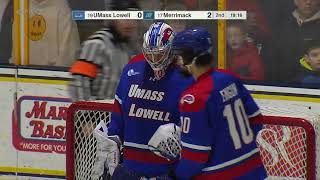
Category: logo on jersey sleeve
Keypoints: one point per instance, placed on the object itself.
(131, 72)
(188, 98)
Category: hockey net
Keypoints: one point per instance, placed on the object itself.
(288, 141)
(82, 118)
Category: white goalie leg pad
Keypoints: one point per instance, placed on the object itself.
(113, 156)
(165, 142)
(107, 151)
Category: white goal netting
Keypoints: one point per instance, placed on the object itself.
(289, 142)
(85, 118)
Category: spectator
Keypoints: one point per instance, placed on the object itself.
(87, 28)
(6, 22)
(288, 43)
(3, 5)
(211, 26)
(191, 4)
(258, 28)
(243, 57)
(53, 35)
(177, 25)
(310, 64)
(276, 11)
(97, 71)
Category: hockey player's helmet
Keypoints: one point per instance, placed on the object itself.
(156, 46)
(192, 43)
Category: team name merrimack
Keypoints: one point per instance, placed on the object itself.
(147, 94)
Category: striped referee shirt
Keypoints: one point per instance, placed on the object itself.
(97, 71)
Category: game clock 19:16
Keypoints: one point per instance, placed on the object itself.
(236, 15)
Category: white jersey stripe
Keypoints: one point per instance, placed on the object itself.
(93, 52)
(118, 99)
(231, 162)
(254, 114)
(140, 146)
(197, 147)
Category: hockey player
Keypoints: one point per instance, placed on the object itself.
(146, 98)
(218, 141)
(97, 70)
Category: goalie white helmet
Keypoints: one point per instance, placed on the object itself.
(165, 142)
(156, 47)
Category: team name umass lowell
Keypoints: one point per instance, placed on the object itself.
(136, 92)
(109, 15)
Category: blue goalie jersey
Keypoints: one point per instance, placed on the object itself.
(218, 141)
(142, 104)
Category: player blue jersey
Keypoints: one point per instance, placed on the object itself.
(218, 141)
(142, 105)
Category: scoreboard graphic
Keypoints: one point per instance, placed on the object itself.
(159, 15)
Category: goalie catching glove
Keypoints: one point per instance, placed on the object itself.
(108, 153)
(165, 142)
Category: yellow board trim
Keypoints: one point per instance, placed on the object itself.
(256, 96)
(26, 32)
(33, 171)
(43, 81)
(16, 34)
(39, 81)
(7, 79)
(221, 37)
(287, 98)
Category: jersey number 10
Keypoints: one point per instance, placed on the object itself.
(235, 113)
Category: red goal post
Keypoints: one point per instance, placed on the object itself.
(82, 118)
(296, 159)
(288, 142)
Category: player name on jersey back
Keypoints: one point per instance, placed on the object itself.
(229, 92)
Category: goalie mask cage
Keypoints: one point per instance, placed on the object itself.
(288, 142)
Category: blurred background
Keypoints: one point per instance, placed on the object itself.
(269, 46)
(275, 50)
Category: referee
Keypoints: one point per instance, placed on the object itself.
(97, 70)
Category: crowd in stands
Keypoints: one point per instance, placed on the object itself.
(280, 41)
(269, 46)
